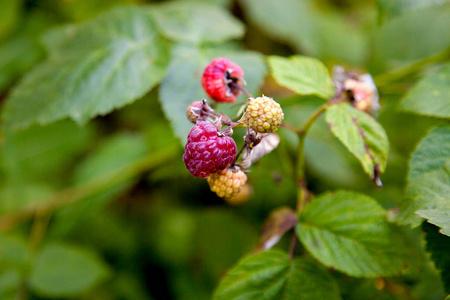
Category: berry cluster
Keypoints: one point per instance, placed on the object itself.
(210, 151)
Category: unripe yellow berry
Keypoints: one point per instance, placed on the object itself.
(263, 115)
(227, 183)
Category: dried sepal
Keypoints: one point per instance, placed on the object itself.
(265, 143)
(276, 225)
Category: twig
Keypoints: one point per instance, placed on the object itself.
(241, 88)
(293, 244)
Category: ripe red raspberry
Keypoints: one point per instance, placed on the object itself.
(206, 152)
(227, 183)
(222, 79)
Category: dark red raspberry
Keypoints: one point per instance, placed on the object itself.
(206, 152)
(222, 80)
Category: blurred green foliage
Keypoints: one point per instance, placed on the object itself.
(93, 97)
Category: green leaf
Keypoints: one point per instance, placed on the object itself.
(180, 226)
(85, 9)
(182, 84)
(36, 161)
(13, 258)
(181, 87)
(438, 217)
(40, 153)
(10, 16)
(329, 160)
(428, 178)
(369, 289)
(309, 29)
(326, 157)
(348, 231)
(112, 154)
(431, 154)
(439, 247)
(413, 36)
(393, 8)
(212, 251)
(430, 96)
(9, 282)
(428, 191)
(273, 275)
(97, 228)
(223, 3)
(23, 50)
(102, 161)
(128, 286)
(92, 68)
(63, 271)
(303, 75)
(191, 22)
(13, 250)
(363, 136)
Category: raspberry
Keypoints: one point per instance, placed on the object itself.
(222, 80)
(263, 115)
(206, 152)
(192, 111)
(227, 183)
(365, 94)
(362, 91)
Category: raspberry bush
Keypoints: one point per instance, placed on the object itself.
(256, 149)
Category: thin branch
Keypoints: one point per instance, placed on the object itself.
(313, 118)
(300, 179)
(240, 152)
(291, 128)
(293, 244)
(38, 230)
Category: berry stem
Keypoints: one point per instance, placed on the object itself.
(231, 126)
(241, 88)
(38, 229)
(312, 119)
(246, 93)
(240, 152)
(211, 114)
(300, 173)
(293, 244)
(300, 155)
(291, 128)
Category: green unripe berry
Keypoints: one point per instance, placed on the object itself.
(263, 115)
